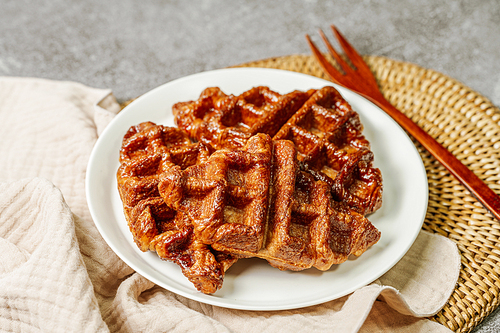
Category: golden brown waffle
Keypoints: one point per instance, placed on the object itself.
(227, 121)
(202, 212)
(297, 200)
(305, 226)
(322, 125)
(148, 150)
(226, 196)
(255, 202)
(328, 135)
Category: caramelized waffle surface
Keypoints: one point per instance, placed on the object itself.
(328, 135)
(147, 151)
(227, 121)
(226, 196)
(256, 202)
(325, 130)
(287, 178)
(306, 227)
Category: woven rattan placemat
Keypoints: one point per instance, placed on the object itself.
(469, 126)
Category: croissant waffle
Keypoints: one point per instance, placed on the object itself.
(323, 126)
(147, 151)
(227, 121)
(255, 202)
(237, 193)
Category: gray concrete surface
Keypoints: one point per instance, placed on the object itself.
(134, 46)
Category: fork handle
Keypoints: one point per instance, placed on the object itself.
(473, 183)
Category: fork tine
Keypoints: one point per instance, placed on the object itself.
(333, 72)
(342, 63)
(352, 54)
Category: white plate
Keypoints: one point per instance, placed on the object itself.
(252, 284)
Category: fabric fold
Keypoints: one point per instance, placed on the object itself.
(35, 295)
(429, 270)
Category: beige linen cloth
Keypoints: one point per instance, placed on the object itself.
(58, 275)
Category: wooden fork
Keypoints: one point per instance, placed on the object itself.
(360, 79)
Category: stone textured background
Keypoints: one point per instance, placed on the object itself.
(133, 46)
